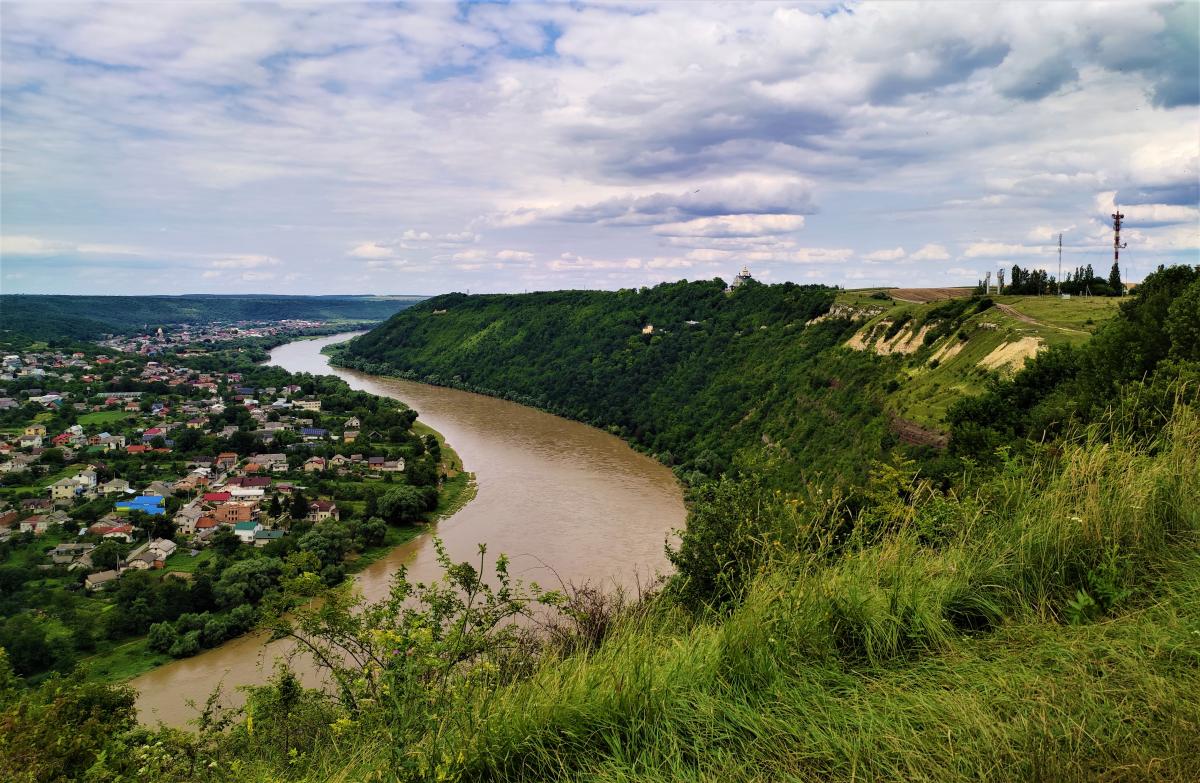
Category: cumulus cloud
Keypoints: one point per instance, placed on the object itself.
(895, 254)
(514, 255)
(999, 250)
(738, 195)
(1142, 215)
(729, 226)
(931, 252)
(370, 250)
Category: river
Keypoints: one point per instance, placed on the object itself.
(563, 500)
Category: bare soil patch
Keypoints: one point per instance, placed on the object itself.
(923, 295)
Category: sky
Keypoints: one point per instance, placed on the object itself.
(421, 148)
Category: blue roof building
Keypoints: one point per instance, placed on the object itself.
(147, 504)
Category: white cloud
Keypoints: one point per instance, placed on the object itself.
(1147, 214)
(930, 252)
(999, 250)
(895, 254)
(733, 226)
(514, 255)
(245, 262)
(371, 250)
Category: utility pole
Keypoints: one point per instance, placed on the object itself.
(1058, 280)
(1117, 246)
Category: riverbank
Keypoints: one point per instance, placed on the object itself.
(563, 500)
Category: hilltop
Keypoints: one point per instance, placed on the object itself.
(949, 342)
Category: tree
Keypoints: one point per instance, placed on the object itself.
(402, 504)
(1114, 280)
(246, 581)
(162, 637)
(107, 555)
(226, 542)
(299, 505)
(433, 447)
(371, 532)
(162, 527)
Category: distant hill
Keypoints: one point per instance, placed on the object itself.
(89, 317)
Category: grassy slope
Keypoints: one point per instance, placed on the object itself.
(894, 660)
(926, 392)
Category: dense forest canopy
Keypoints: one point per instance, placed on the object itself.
(90, 317)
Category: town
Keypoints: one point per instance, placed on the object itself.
(188, 336)
(161, 500)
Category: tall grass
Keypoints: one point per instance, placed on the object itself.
(1042, 626)
(899, 659)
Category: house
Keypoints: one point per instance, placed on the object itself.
(115, 486)
(100, 579)
(246, 531)
(313, 433)
(339, 460)
(272, 462)
(37, 525)
(124, 532)
(35, 430)
(249, 482)
(233, 513)
(8, 519)
(64, 489)
(247, 493)
(308, 404)
(375, 463)
(30, 441)
(264, 537)
(314, 464)
(147, 504)
(349, 436)
(159, 488)
(69, 553)
(393, 465)
(226, 459)
(164, 547)
(217, 497)
(187, 517)
(321, 510)
(205, 527)
(110, 442)
(352, 423)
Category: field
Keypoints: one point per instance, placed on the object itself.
(1078, 313)
(102, 418)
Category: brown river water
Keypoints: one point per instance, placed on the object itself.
(563, 500)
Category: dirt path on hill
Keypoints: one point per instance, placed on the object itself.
(923, 295)
(1010, 310)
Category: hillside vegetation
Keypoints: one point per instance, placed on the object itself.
(706, 380)
(46, 317)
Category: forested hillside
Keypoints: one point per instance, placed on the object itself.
(89, 317)
(705, 379)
